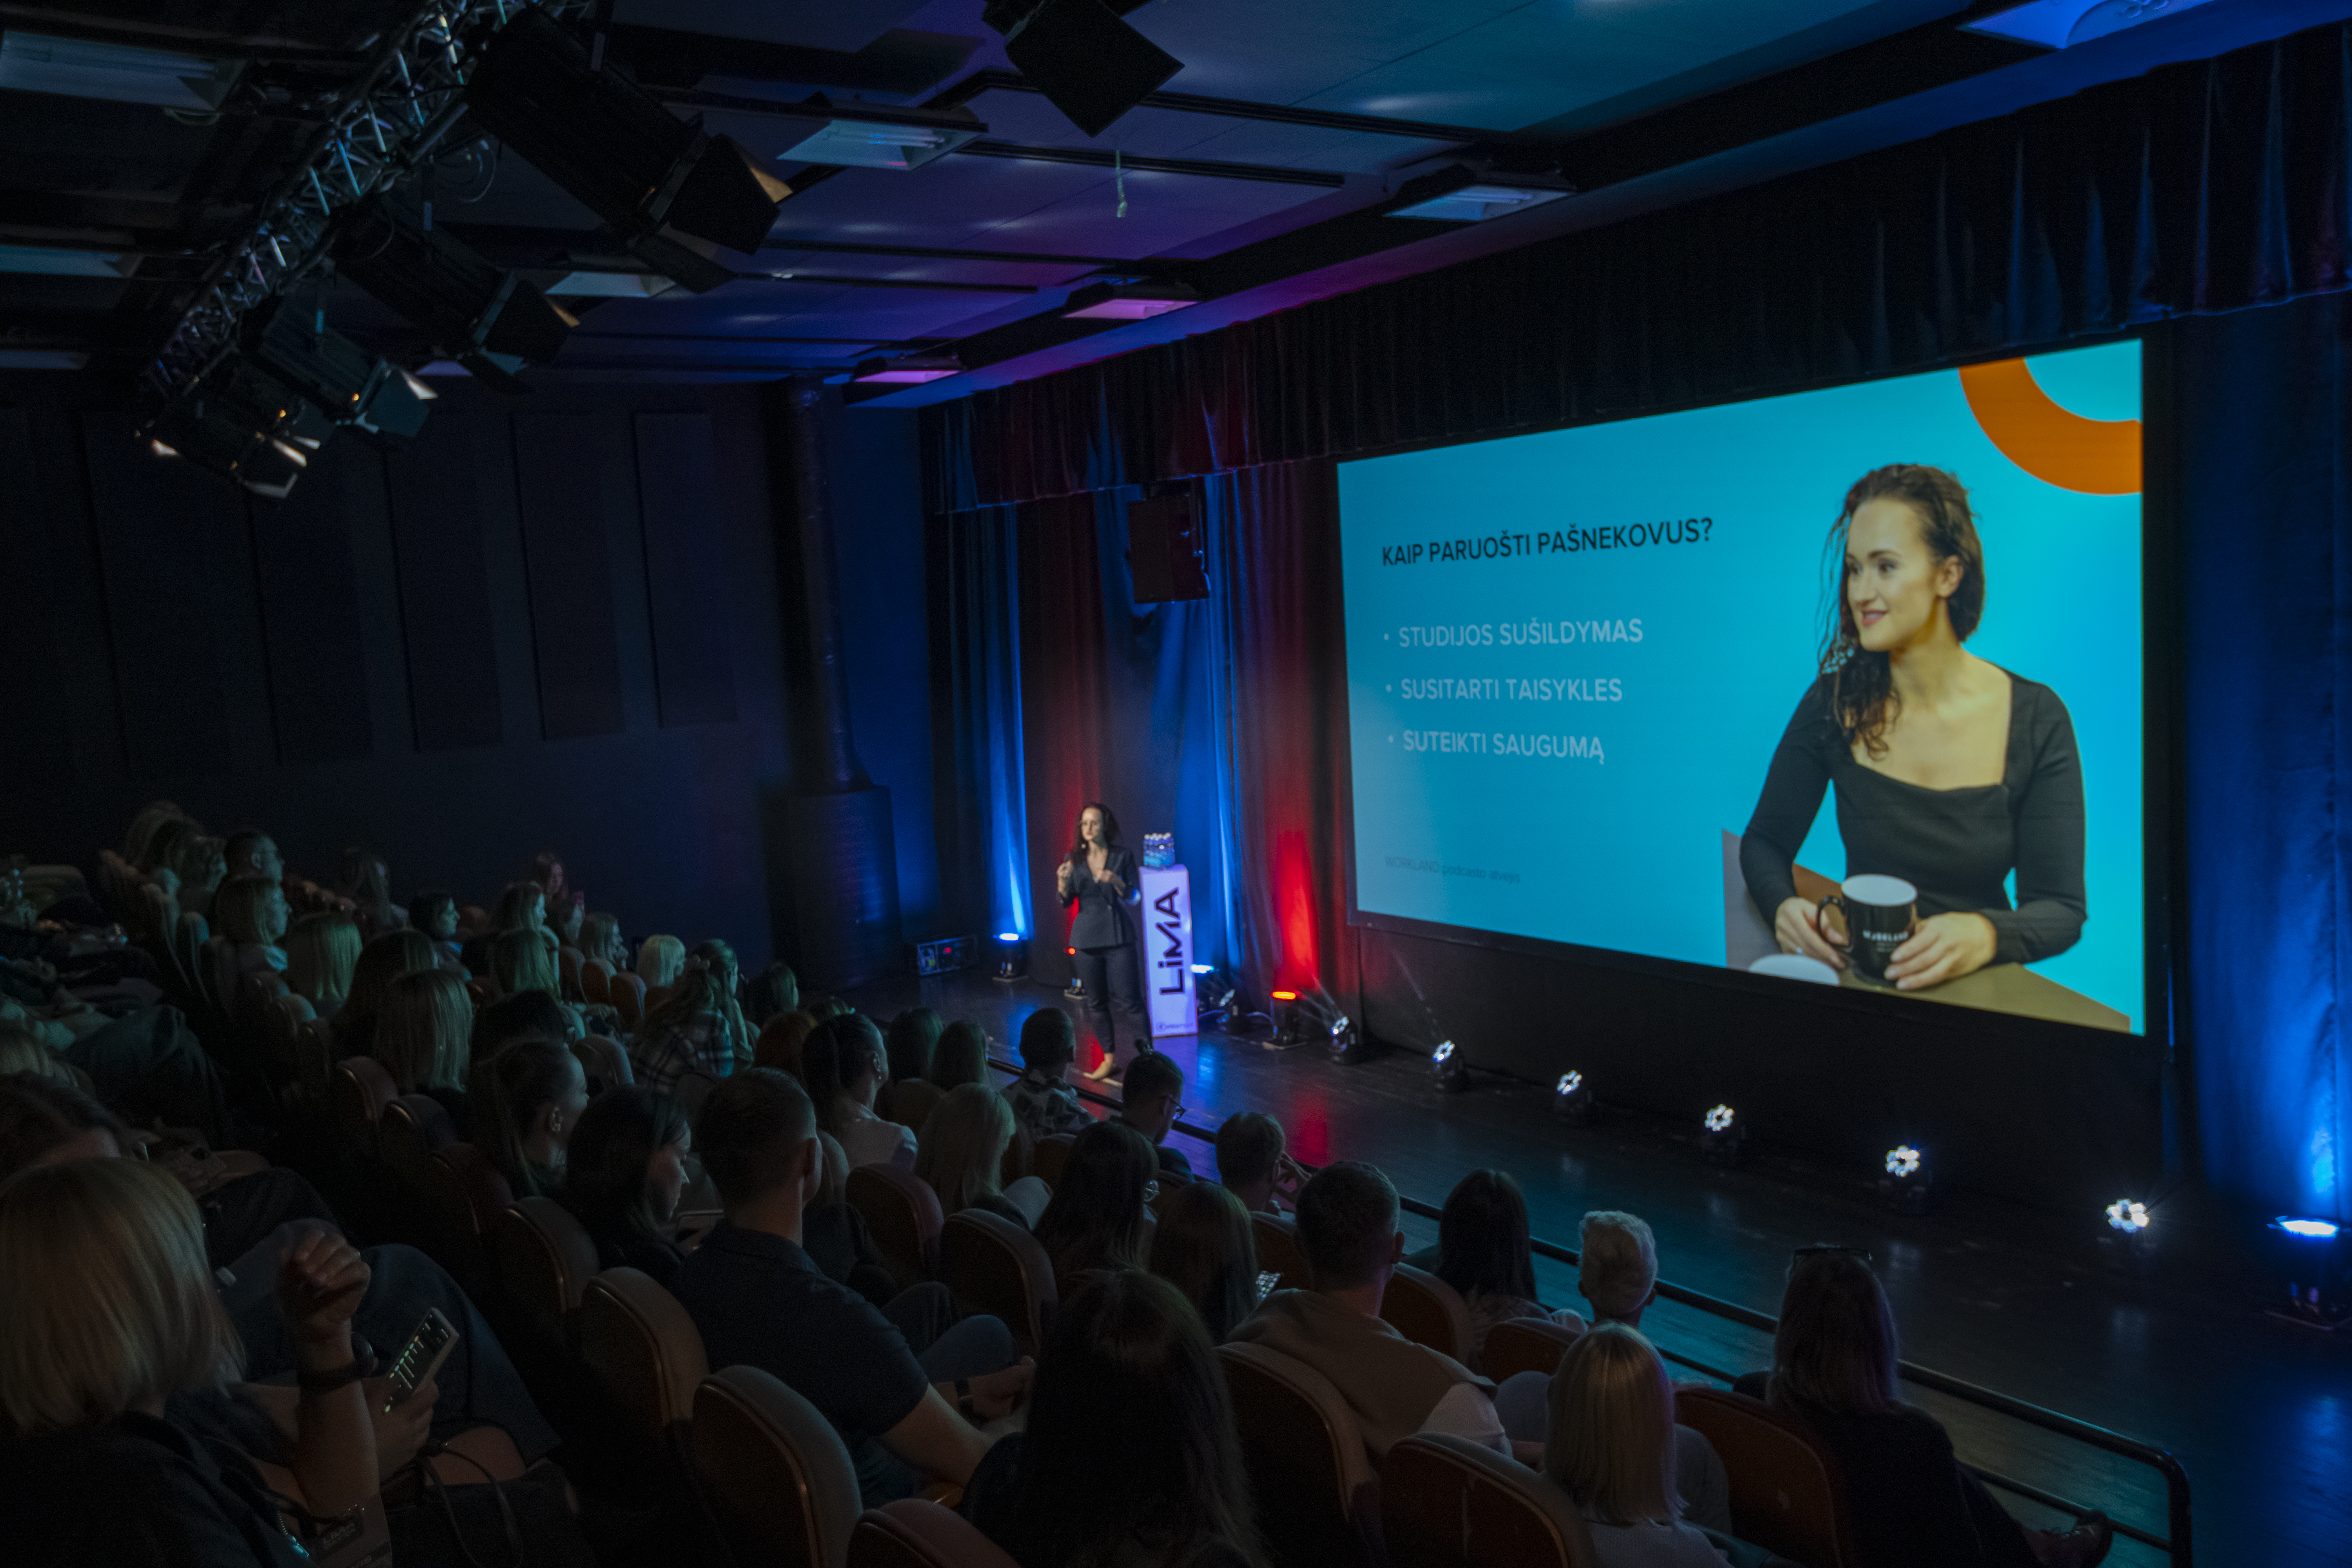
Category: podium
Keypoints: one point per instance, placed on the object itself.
(1168, 949)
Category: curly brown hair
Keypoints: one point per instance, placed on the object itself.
(1862, 683)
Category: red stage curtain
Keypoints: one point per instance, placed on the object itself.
(1065, 701)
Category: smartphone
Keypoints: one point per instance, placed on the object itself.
(422, 1356)
(1267, 1280)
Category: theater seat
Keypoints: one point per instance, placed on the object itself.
(773, 1470)
(1786, 1492)
(915, 1534)
(411, 1129)
(357, 1092)
(628, 993)
(992, 1264)
(1446, 1502)
(910, 1103)
(568, 962)
(1318, 1501)
(596, 980)
(902, 1215)
(1428, 1311)
(1525, 1344)
(544, 1260)
(604, 1062)
(646, 1352)
(1051, 1154)
(463, 1195)
(472, 920)
(1020, 1157)
(1277, 1250)
(293, 1043)
(481, 992)
(690, 1089)
(188, 938)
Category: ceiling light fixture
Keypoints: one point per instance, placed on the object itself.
(869, 136)
(74, 67)
(2057, 24)
(63, 263)
(1127, 301)
(1462, 194)
(1088, 63)
(292, 341)
(908, 370)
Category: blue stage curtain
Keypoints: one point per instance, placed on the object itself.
(2263, 402)
(2199, 188)
(981, 811)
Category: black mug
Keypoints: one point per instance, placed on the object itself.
(1880, 915)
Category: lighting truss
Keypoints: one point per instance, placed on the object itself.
(406, 98)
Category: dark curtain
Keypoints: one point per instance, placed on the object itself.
(2264, 402)
(981, 811)
(2198, 188)
(1065, 701)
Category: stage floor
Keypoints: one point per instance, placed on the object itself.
(2258, 1411)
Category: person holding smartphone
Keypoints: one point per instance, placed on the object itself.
(1098, 876)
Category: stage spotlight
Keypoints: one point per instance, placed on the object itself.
(1215, 998)
(1127, 301)
(491, 322)
(1448, 1073)
(291, 339)
(243, 424)
(671, 191)
(2318, 1291)
(2126, 1243)
(1090, 64)
(1011, 956)
(1908, 1186)
(1076, 989)
(1725, 1141)
(1571, 1099)
(1284, 1014)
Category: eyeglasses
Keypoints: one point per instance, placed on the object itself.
(1820, 1246)
(1150, 1191)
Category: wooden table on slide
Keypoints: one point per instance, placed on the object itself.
(1997, 987)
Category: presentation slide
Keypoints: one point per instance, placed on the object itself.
(1842, 686)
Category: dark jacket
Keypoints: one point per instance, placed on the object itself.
(1105, 919)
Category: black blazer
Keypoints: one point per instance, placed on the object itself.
(1105, 919)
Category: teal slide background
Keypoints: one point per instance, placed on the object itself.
(1626, 852)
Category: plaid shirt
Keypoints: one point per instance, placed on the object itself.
(1045, 1106)
(699, 1045)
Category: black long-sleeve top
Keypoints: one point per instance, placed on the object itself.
(1105, 919)
(1958, 847)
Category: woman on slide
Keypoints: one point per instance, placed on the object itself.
(1950, 771)
(1098, 876)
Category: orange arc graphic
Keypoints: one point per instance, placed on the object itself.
(2096, 457)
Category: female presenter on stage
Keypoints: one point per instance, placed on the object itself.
(1950, 771)
(1098, 876)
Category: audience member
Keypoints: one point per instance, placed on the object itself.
(565, 917)
(362, 877)
(422, 1038)
(720, 959)
(526, 1100)
(249, 852)
(914, 1035)
(1252, 1163)
(962, 1155)
(251, 913)
(1617, 1270)
(522, 906)
(775, 990)
(684, 1032)
(435, 913)
(186, 863)
(1150, 1099)
(143, 824)
(1041, 1096)
(659, 959)
(824, 1007)
(1097, 1218)
(623, 1170)
(958, 1057)
(108, 1318)
(843, 1066)
(599, 937)
(1129, 1389)
(1611, 1449)
(381, 962)
(22, 1051)
(1833, 1369)
(1204, 1245)
(782, 1040)
(523, 960)
(894, 1395)
(1347, 1233)
(1483, 1252)
(320, 951)
(525, 1016)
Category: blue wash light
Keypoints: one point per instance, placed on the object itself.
(2314, 1229)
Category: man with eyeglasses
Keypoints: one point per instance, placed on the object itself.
(1153, 1100)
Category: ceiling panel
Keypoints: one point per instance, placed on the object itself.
(844, 25)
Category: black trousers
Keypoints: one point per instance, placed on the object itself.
(1114, 983)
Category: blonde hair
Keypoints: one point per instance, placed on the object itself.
(962, 1150)
(1619, 1265)
(237, 910)
(659, 959)
(105, 1302)
(424, 1031)
(1612, 1443)
(321, 951)
(21, 1050)
(523, 959)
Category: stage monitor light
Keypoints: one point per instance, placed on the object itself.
(1725, 1140)
(1571, 1099)
(1215, 997)
(1461, 193)
(1449, 1073)
(1012, 955)
(1088, 63)
(1109, 302)
(2318, 1286)
(671, 191)
(874, 137)
(491, 322)
(2127, 1244)
(908, 370)
(290, 339)
(1908, 1185)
